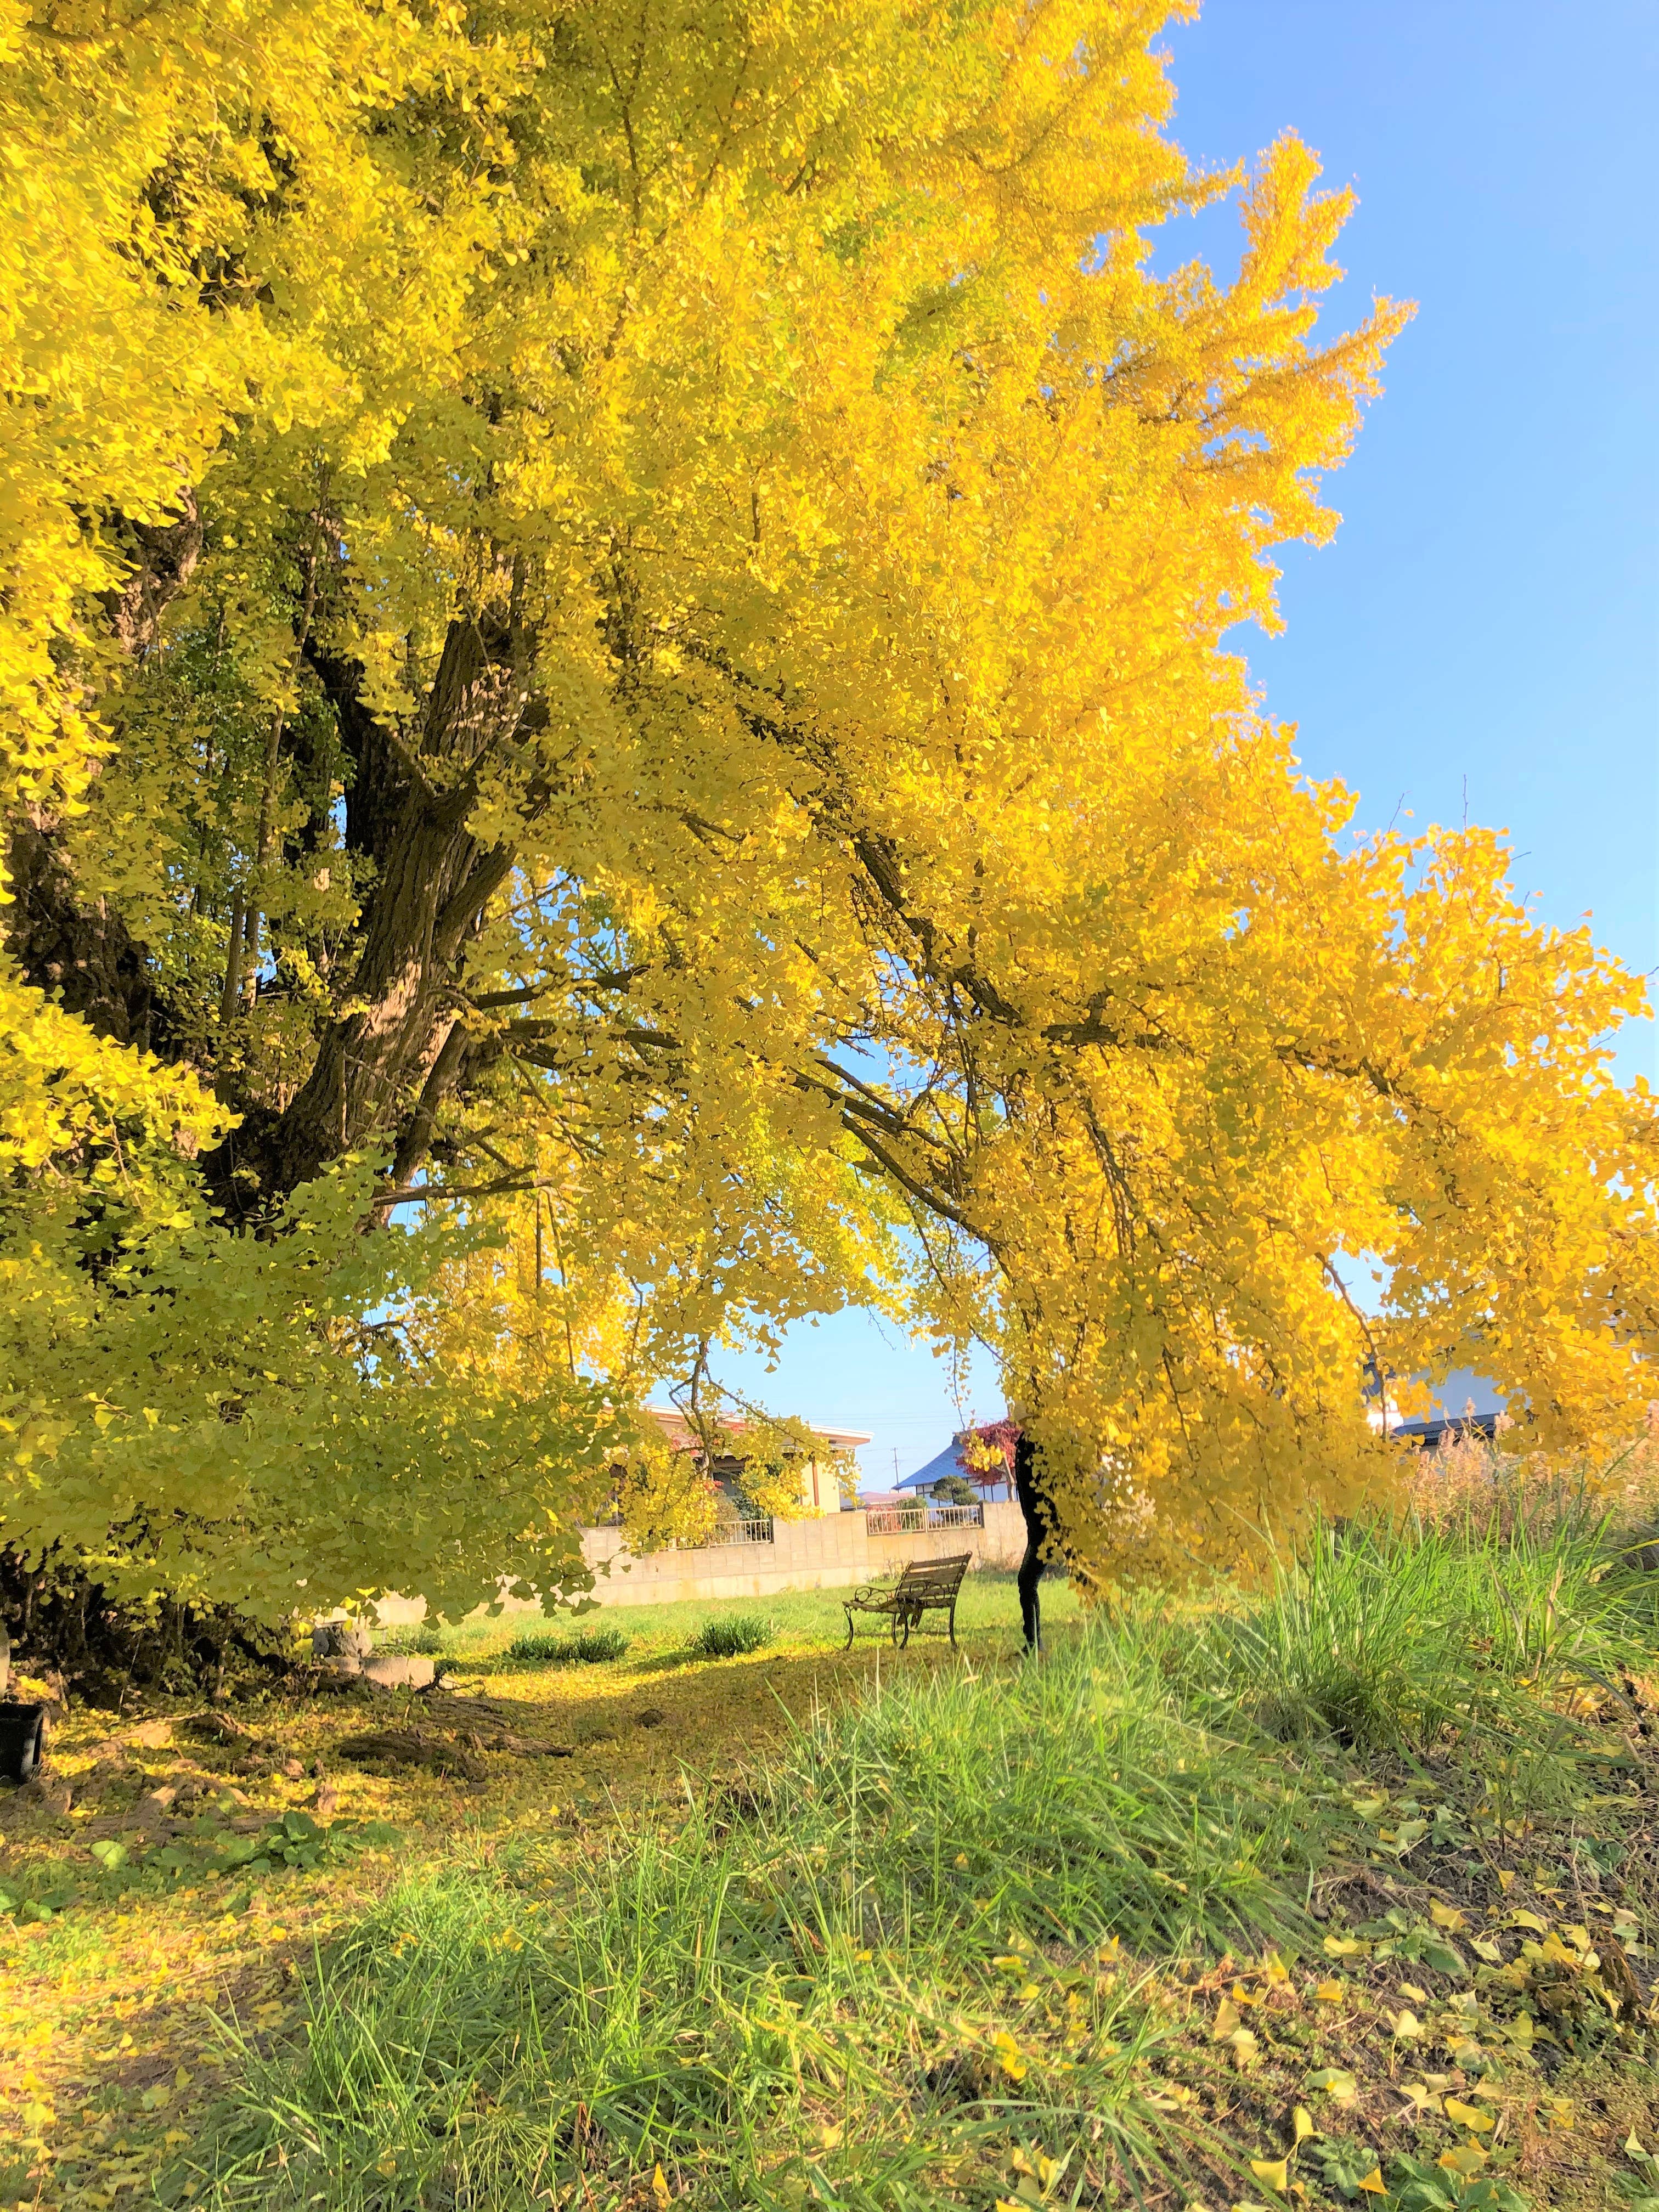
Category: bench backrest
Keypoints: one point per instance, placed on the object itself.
(935, 1578)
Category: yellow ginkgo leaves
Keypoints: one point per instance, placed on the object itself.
(1009, 2056)
(1473, 2116)
(1337, 2082)
(685, 729)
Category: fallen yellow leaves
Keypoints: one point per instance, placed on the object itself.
(1009, 2056)
(1337, 2083)
(1472, 2117)
(1467, 2160)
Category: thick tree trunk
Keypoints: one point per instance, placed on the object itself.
(373, 1064)
(382, 1070)
(84, 954)
(87, 954)
(376, 1067)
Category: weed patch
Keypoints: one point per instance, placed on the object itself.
(716, 2014)
(733, 1636)
(1081, 1932)
(587, 1647)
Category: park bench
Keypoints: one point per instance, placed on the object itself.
(926, 1586)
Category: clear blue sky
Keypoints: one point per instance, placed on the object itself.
(1481, 631)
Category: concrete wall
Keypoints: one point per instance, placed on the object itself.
(832, 1551)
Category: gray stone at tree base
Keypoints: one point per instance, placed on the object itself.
(394, 1671)
(340, 1639)
(349, 1652)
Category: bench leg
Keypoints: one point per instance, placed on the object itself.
(952, 1623)
(848, 1644)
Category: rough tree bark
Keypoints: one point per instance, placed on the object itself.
(85, 953)
(382, 1069)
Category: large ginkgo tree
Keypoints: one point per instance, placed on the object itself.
(612, 646)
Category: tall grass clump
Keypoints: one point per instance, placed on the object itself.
(1079, 1798)
(588, 1647)
(1473, 1644)
(728, 2010)
(732, 1636)
(896, 1943)
(889, 1959)
(1471, 1480)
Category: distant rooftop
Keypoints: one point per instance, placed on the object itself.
(949, 1461)
(678, 1430)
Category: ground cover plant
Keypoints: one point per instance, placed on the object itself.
(1326, 1886)
(730, 1635)
(1085, 1930)
(586, 1647)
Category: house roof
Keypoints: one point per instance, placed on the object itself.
(678, 1430)
(1432, 1431)
(941, 1464)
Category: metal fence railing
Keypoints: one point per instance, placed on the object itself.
(756, 1531)
(916, 1520)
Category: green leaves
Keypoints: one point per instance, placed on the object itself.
(1397, 1935)
(1350, 2171)
(57, 1897)
(228, 1381)
(1422, 2185)
(298, 1844)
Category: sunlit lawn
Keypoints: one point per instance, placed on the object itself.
(986, 1622)
(104, 2046)
(886, 1931)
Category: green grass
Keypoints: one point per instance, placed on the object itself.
(988, 1619)
(742, 2000)
(882, 1969)
(1464, 1649)
(588, 1647)
(733, 1636)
